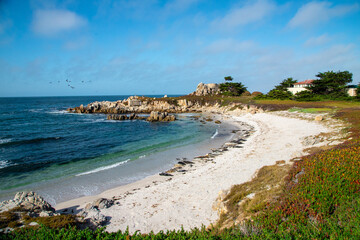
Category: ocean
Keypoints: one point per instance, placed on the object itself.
(63, 155)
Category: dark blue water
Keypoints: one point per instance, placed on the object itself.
(41, 144)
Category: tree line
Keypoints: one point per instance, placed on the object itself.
(329, 85)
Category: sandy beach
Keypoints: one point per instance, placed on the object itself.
(185, 200)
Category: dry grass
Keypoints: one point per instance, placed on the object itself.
(287, 104)
(17, 217)
(249, 199)
(10, 218)
(61, 221)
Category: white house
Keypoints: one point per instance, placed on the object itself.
(300, 86)
(351, 90)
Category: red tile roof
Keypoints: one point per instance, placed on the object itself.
(309, 81)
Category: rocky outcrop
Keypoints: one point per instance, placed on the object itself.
(92, 214)
(219, 205)
(145, 105)
(160, 117)
(132, 116)
(311, 140)
(120, 109)
(31, 202)
(154, 117)
(100, 203)
(207, 89)
(133, 104)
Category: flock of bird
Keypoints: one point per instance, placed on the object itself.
(68, 83)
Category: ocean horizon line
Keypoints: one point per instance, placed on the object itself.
(109, 95)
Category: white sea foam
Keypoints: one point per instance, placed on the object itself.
(94, 120)
(215, 134)
(100, 120)
(103, 168)
(5, 140)
(4, 164)
(142, 156)
(58, 112)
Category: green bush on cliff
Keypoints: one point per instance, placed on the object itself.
(232, 89)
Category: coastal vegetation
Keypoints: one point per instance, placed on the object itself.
(228, 78)
(330, 85)
(317, 197)
(230, 88)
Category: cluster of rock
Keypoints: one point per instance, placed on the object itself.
(203, 89)
(179, 167)
(33, 205)
(147, 105)
(31, 202)
(133, 104)
(238, 140)
(132, 116)
(24, 204)
(92, 214)
(154, 117)
(160, 117)
(311, 140)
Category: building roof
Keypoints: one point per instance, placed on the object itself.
(309, 81)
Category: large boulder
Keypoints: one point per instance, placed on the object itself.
(160, 117)
(207, 89)
(132, 116)
(100, 203)
(30, 201)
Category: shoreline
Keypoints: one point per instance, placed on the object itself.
(185, 200)
(83, 200)
(86, 182)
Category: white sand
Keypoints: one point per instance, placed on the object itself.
(186, 200)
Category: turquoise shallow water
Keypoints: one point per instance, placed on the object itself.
(63, 155)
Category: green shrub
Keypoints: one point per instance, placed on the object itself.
(306, 96)
(279, 94)
(232, 89)
(260, 96)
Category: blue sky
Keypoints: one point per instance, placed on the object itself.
(168, 47)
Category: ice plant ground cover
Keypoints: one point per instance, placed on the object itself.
(323, 201)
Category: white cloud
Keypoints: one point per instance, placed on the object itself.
(249, 13)
(52, 22)
(336, 57)
(317, 41)
(314, 13)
